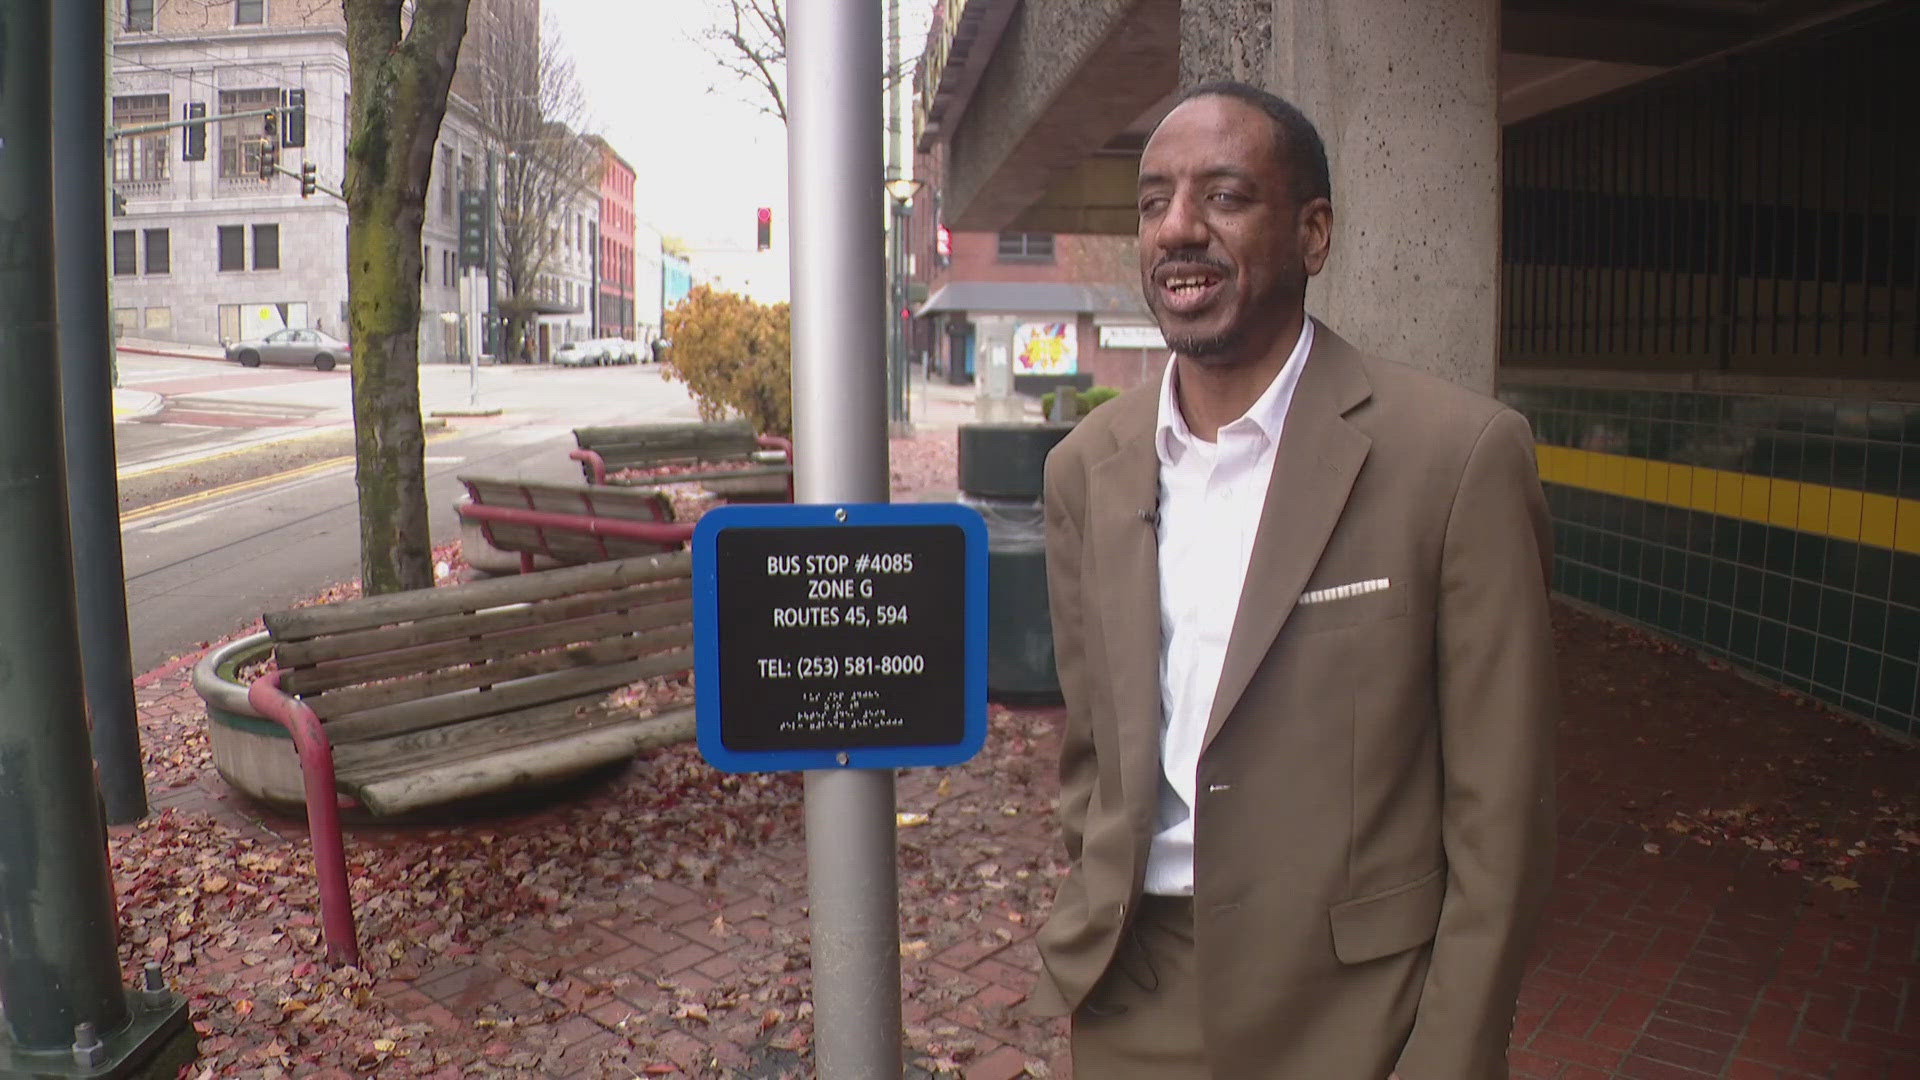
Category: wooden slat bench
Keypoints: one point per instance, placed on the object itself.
(571, 523)
(761, 466)
(431, 696)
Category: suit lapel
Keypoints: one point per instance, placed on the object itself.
(1314, 468)
(1126, 560)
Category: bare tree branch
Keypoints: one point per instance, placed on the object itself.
(750, 43)
(534, 108)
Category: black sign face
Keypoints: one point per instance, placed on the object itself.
(841, 638)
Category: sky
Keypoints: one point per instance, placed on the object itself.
(705, 154)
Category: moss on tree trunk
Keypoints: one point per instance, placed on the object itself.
(400, 79)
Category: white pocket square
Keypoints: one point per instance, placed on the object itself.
(1344, 592)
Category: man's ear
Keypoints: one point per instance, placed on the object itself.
(1315, 225)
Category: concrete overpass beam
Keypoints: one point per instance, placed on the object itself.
(1063, 81)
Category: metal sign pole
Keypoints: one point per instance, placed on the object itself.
(58, 965)
(840, 455)
(86, 352)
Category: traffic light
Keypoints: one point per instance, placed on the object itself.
(194, 146)
(309, 179)
(764, 238)
(270, 148)
(473, 228)
(294, 132)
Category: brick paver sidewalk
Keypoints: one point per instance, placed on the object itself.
(635, 937)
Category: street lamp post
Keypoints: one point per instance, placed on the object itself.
(899, 400)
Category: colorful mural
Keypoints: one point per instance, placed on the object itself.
(1050, 348)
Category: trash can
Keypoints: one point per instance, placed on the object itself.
(1000, 474)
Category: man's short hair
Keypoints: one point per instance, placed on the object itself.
(1296, 139)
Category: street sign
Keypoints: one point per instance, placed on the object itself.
(840, 637)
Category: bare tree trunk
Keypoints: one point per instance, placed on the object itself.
(400, 84)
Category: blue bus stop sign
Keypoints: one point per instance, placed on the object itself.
(830, 637)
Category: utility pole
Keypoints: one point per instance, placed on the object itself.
(896, 247)
(86, 352)
(490, 339)
(66, 1012)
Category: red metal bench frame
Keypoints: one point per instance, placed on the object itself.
(592, 460)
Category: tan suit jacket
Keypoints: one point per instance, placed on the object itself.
(1374, 834)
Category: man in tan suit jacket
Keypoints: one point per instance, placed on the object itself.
(1309, 821)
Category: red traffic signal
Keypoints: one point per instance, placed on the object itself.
(763, 237)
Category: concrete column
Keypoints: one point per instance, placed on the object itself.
(1405, 93)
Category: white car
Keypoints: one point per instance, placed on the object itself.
(575, 354)
(611, 350)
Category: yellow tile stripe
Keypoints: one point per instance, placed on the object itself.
(1842, 513)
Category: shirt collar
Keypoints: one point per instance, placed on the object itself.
(1172, 437)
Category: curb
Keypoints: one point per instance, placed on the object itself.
(141, 403)
(139, 350)
(171, 667)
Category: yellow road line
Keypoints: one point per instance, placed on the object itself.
(235, 488)
(250, 447)
(238, 486)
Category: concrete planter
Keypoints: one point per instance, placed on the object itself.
(253, 754)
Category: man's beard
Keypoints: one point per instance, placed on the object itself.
(1207, 349)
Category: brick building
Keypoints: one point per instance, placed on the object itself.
(1066, 305)
(614, 317)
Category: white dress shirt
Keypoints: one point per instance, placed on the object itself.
(1211, 498)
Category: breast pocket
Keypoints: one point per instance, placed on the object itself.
(1333, 612)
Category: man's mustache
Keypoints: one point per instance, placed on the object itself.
(1190, 259)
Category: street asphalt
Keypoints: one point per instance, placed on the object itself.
(236, 484)
(238, 494)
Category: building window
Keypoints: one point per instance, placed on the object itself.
(139, 14)
(141, 157)
(124, 261)
(446, 181)
(233, 247)
(241, 140)
(159, 251)
(159, 318)
(249, 12)
(426, 260)
(126, 319)
(266, 247)
(1026, 247)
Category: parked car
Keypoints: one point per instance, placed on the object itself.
(575, 354)
(291, 346)
(610, 350)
